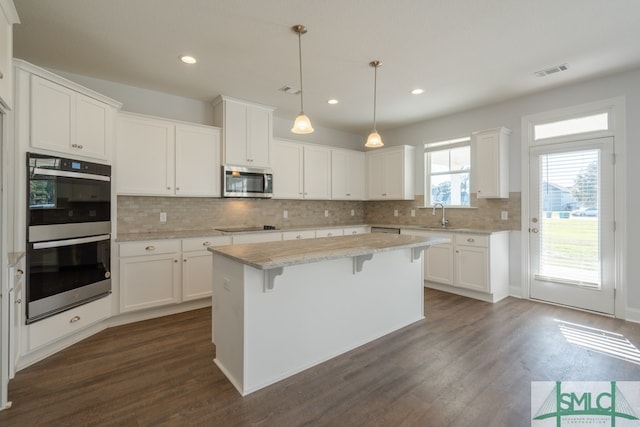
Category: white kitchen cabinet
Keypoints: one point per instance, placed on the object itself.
(197, 266)
(317, 172)
(8, 17)
(473, 265)
(65, 121)
(490, 168)
(246, 131)
(329, 232)
(298, 235)
(165, 158)
(348, 231)
(16, 313)
(390, 173)
(198, 164)
(347, 175)
(472, 262)
(287, 166)
(301, 171)
(150, 274)
(68, 322)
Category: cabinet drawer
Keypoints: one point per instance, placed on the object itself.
(68, 322)
(355, 230)
(329, 232)
(154, 247)
(297, 235)
(472, 240)
(202, 243)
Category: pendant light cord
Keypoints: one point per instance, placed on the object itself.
(375, 86)
(300, 58)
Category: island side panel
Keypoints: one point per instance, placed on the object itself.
(228, 318)
(320, 310)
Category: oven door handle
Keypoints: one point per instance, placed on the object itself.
(69, 174)
(70, 242)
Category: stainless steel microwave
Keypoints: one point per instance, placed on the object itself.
(242, 181)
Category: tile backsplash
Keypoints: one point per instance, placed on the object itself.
(142, 214)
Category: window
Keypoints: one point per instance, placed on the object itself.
(573, 126)
(447, 171)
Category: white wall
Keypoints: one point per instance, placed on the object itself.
(144, 101)
(509, 114)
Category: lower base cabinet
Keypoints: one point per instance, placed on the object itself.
(473, 265)
(162, 272)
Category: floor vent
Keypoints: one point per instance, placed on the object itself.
(552, 70)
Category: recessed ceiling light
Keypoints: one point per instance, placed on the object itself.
(417, 91)
(332, 101)
(188, 59)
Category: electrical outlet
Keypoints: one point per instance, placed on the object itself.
(413, 212)
(353, 212)
(285, 214)
(326, 212)
(163, 217)
(504, 215)
(395, 212)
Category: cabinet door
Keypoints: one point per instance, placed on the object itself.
(235, 133)
(298, 235)
(145, 158)
(197, 275)
(472, 268)
(286, 163)
(490, 168)
(6, 73)
(149, 281)
(256, 238)
(197, 164)
(438, 264)
(395, 174)
(258, 136)
(317, 173)
(51, 115)
(377, 176)
(355, 175)
(94, 126)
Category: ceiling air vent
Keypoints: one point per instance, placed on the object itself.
(552, 70)
(290, 90)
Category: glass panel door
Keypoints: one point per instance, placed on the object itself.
(571, 224)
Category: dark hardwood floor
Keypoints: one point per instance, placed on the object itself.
(469, 363)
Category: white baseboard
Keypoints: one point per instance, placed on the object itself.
(632, 315)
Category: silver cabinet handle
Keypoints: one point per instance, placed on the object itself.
(471, 240)
(354, 232)
(168, 188)
(175, 260)
(185, 260)
(18, 301)
(19, 272)
(329, 234)
(206, 243)
(150, 248)
(80, 146)
(177, 188)
(74, 319)
(298, 237)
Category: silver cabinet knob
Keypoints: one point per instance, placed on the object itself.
(150, 248)
(206, 243)
(74, 319)
(19, 272)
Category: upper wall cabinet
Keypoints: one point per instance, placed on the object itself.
(490, 150)
(390, 173)
(246, 131)
(63, 117)
(301, 171)
(347, 174)
(157, 157)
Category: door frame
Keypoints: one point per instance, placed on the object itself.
(616, 107)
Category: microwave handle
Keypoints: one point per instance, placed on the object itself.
(70, 242)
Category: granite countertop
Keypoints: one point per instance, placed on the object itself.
(266, 256)
(185, 234)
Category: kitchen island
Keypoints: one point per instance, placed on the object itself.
(282, 307)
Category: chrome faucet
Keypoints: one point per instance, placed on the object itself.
(444, 221)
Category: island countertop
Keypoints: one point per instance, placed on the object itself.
(269, 255)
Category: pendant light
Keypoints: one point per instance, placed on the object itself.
(374, 140)
(302, 123)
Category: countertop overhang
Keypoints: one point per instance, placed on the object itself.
(271, 255)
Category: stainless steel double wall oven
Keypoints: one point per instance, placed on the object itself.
(68, 234)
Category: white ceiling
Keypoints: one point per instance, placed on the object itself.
(463, 53)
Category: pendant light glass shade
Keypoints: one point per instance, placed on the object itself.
(374, 140)
(302, 124)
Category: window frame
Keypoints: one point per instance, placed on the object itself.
(442, 145)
